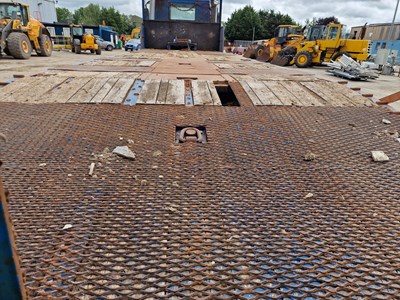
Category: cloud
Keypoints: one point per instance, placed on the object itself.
(351, 13)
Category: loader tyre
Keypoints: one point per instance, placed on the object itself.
(78, 49)
(337, 56)
(46, 46)
(303, 59)
(98, 51)
(259, 51)
(19, 45)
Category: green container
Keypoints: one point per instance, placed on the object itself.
(119, 45)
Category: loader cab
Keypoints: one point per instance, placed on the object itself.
(14, 11)
(316, 32)
(282, 32)
(76, 33)
(333, 35)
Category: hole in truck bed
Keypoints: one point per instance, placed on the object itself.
(226, 94)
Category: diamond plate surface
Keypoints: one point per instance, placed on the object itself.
(227, 219)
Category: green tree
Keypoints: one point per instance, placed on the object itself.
(242, 24)
(272, 19)
(89, 15)
(327, 20)
(64, 15)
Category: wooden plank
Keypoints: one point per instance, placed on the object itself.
(336, 91)
(104, 90)
(19, 84)
(162, 92)
(266, 94)
(312, 86)
(330, 98)
(214, 93)
(253, 97)
(145, 63)
(89, 90)
(67, 89)
(101, 68)
(176, 92)
(201, 93)
(119, 91)
(39, 93)
(304, 96)
(15, 90)
(149, 92)
(286, 97)
(349, 95)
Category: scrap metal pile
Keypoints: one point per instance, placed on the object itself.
(348, 68)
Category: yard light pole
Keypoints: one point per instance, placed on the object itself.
(392, 26)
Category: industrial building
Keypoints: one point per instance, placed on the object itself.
(42, 10)
(378, 34)
(196, 20)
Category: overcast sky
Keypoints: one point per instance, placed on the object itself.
(349, 12)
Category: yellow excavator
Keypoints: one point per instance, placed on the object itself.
(20, 34)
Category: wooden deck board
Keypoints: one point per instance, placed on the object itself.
(266, 95)
(286, 97)
(303, 95)
(162, 92)
(201, 93)
(252, 95)
(67, 89)
(149, 92)
(119, 91)
(214, 93)
(104, 90)
(176, 92)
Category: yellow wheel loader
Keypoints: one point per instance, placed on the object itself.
(325, 43)
(81, 41)
(20, 34)
(285, 36)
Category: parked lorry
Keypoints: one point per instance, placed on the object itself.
(20, 34)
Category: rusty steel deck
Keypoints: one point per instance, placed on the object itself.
(232, 218)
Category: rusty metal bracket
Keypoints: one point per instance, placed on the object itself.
(190, 134)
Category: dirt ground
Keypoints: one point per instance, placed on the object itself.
(381, 87)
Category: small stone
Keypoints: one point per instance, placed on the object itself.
(121, 138)
(175, 184)
(154, 167)
(161, 176)
(309, 156)
(42, 165)
(130, 141)
(157, 153)
(3, 137)
(398, 139)
(125, 152)
(379, 156)
(309, 195)
(143, 182)
(67, 226)
(352, 125)
(386, 121)
(69, 175)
